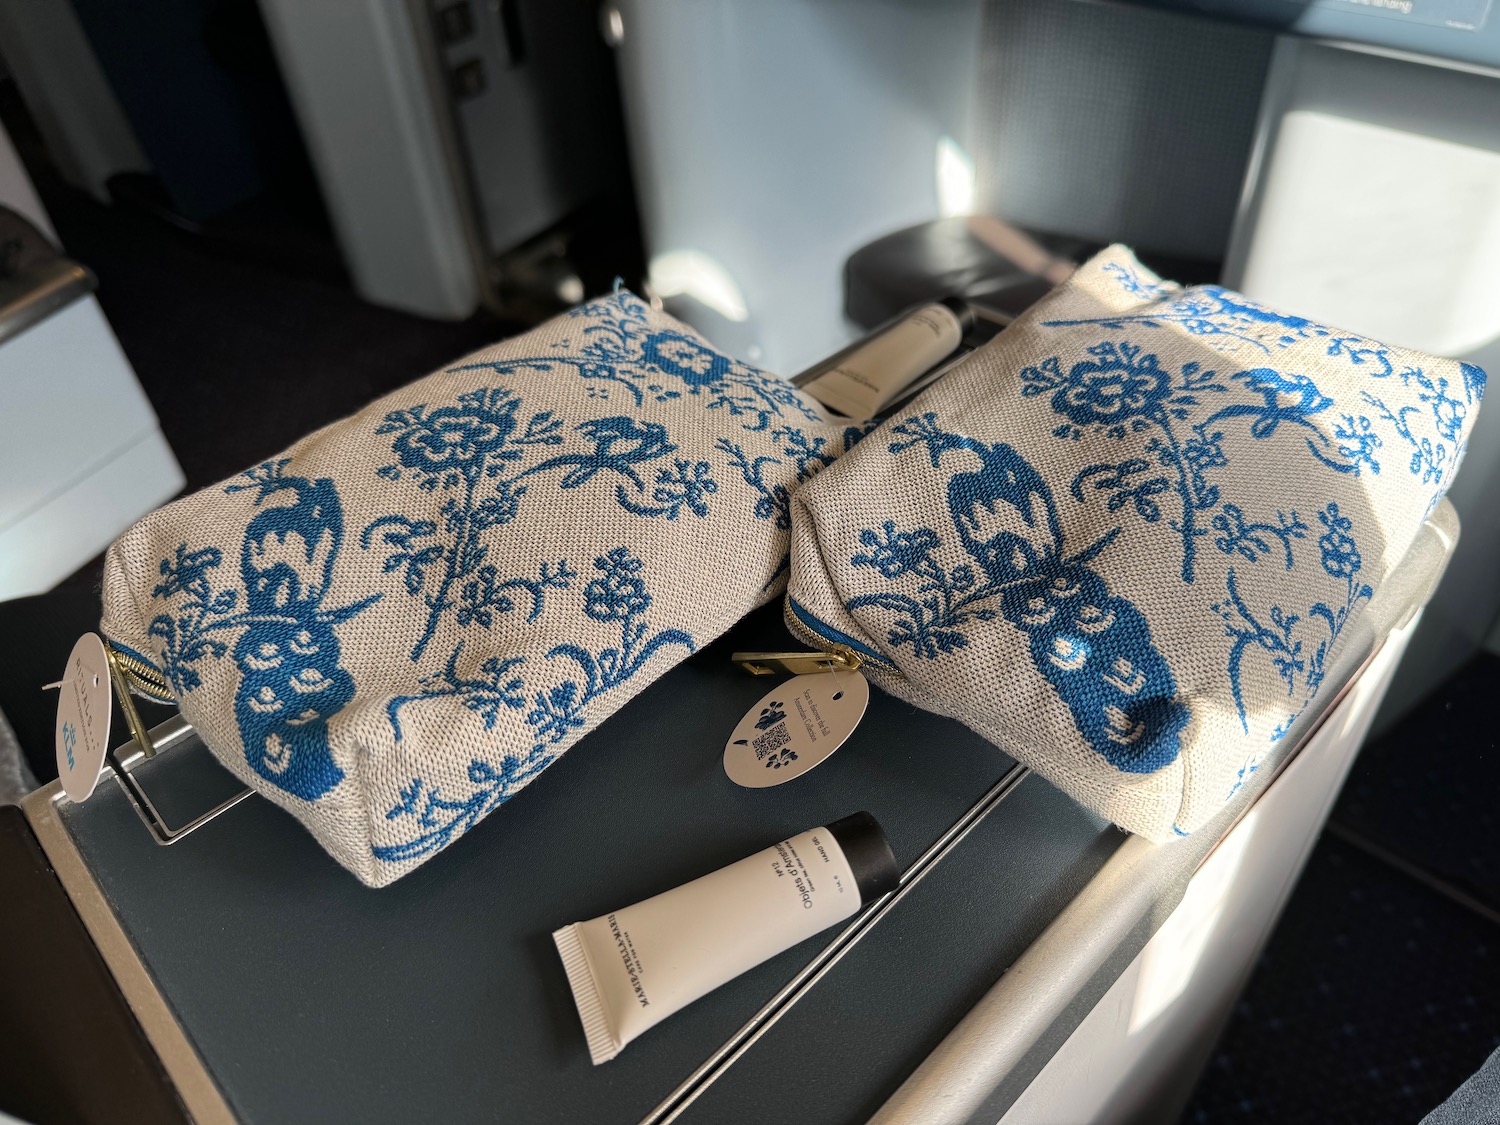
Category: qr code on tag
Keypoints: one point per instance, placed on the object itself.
(773, 740)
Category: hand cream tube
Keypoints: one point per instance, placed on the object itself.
(871, 373)
(631, 969)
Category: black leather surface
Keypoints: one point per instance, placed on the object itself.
(313, 998)
(938, 259)
(943, 258)
(70, 1049)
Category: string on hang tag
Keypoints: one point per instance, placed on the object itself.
(798, 724)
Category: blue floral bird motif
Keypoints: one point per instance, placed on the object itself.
(1285, 397)
(292, 679)
(620, 348)
(1232, 323)
(468, 449)
(1092, 646)
(620, 443)
(1123, 394)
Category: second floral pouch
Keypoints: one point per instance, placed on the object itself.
(1125, 540)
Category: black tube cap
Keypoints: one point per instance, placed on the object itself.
(868, 854)
(961, 309)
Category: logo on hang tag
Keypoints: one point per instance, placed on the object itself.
(83, 716)
(795, 726)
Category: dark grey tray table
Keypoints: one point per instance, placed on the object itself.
(303, 996)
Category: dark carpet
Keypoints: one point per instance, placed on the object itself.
(1379, 992)
(1427, 791)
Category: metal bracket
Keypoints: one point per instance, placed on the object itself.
(122, 765)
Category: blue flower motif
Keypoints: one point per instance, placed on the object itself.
(1340, 553)
(558, 712)
(187, 571)
(451, 438)
(620, 594)
(1447, 413)
(686, 358)
(1112, 389)
(1357, 442)
(1204, 452)
(899, 552)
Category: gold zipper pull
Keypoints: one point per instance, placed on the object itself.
(837, 659)
(142, 678)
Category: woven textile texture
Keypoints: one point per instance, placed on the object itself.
(397, 624)
(1124, 540)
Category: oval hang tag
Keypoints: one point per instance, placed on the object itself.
(794, 727)
(83, 714)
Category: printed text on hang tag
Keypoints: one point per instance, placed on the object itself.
(795, 727)
(83, 717)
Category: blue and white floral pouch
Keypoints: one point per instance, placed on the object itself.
(1124, 540)
(399, 622)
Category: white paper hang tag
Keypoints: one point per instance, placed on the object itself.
(795, 726)
(83, 716)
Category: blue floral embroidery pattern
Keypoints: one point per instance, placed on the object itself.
(621, 348)
(1208, 310)
(775, 501)
(684, 485)
(1252, 540)
(1433, 462)
(475, 449)
(291, 678)
(1228, 321)
(1272, 633)
(1132, 282)
(930, 624)
(1093, 647)
(806, 454)
(467, 448)
(618, 596)
(484, 694)
(1123, 392)
(186, 634)
(441, 820)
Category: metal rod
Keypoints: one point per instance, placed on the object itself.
(127, 703)
(741, 1041)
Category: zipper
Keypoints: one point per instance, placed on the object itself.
(807, 627)
(142, 677)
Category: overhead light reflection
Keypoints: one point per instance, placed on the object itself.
(1171, 957)
(955, 179)
(692, 273)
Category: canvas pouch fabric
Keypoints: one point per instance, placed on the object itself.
(399, 622)
(1124, 540)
